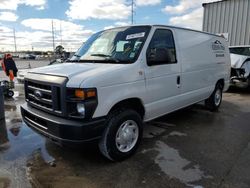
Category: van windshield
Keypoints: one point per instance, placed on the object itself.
(118, 45)
(240, 51)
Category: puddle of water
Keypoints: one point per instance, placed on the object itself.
(17, 143)
(172, 164)
(23, 141)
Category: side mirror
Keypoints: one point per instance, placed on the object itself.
(158, 56)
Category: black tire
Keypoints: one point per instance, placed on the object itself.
(108, 144)
(214, 101)
(10, 93)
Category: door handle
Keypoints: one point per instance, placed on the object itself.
(178, 81)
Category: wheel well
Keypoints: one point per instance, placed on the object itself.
(132, 103)
(221, 82)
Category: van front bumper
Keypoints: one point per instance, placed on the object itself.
(60, 130)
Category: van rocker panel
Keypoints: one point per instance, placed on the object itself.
(63, 131)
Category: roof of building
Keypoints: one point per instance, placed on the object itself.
(218, 1)
(240, 46)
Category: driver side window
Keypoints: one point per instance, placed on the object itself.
(161, 49)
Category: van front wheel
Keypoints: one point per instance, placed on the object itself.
(214, 101)
(122, 135)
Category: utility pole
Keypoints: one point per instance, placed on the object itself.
(53, 37)
(132, 12)
(61, 31)
(14, 35)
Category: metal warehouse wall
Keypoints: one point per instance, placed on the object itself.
(229, 16)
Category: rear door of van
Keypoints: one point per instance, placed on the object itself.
(162, 79)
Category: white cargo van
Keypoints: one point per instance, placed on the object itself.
(121, 78)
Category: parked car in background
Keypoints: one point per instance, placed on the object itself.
(121, 78)
(240, 65)
(15, 56)
(27, 56)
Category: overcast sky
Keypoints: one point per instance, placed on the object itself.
(78, 19)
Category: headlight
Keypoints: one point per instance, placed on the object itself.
(81, 102)
(81, 109)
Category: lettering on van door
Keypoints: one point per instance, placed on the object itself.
(218, 48)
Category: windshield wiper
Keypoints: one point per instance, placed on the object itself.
(108, 58)
(76, 55)
(101, 55)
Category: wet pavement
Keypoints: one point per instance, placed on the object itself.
(188, 148)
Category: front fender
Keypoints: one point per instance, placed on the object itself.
(111, 95)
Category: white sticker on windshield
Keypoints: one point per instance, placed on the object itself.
(136, 35)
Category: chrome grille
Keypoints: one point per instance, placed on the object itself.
(45, 96)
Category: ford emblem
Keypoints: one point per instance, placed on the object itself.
(38, 94)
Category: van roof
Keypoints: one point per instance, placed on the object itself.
(176, 27)
(169, 26)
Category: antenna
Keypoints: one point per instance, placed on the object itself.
(53, 37)
(14, 35)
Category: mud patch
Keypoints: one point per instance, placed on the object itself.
(162, 124)
(10, 108)
(41, 173)
(4, 182)
(152, 131)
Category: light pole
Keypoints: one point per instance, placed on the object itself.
(14, 35)
(132, 12)
(53, 37)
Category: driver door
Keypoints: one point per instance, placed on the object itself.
(163, 75)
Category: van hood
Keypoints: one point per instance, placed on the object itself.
(77, 72)
(238, 60)
(71, 69)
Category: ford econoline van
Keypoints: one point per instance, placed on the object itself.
(123, 77)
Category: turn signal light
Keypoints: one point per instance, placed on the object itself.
(84, 94)
(91, 93)
(79, 93)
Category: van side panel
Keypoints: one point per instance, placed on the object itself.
(204, 61)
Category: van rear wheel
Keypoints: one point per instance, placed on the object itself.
(214, 101)
(122, 135)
